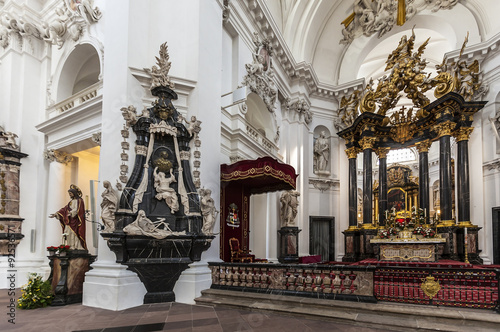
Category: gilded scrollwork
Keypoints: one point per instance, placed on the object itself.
(423, 146)
(367, 142)
(352, 152)
(444, 128)
(382, 152)
(463, 133)
(459, 76)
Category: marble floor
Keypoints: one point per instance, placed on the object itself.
(160, 317)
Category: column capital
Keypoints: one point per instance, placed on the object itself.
(352, 152)
(367, 142)
(423, 146)
(463, 133)
(382, 152)
(444, 128)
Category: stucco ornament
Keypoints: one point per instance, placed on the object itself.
(159, 75)
(8, 139)
(379, 16)
(260, 75)
(73, 18)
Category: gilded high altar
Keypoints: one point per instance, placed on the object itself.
(380, 127)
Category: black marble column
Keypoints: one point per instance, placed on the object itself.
(463, 175)
(382, 179)
(351, 235)
(423, 175)
(367, 186)
(445, 184)
(353, 188)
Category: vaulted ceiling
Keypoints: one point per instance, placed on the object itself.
(313, 29)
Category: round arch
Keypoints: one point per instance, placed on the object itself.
(259, 116)
(78, 69)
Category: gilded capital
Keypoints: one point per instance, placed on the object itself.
(423, 146)
(367, 142)
(352, 152)
(463, 134)
(382, 152)
(444, 128)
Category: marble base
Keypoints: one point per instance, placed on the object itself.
(365, 247)
(191, 282)
(67, 276)
(111, 286)
(351, 246)
(289, 245)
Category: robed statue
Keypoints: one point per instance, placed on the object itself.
(72, 219)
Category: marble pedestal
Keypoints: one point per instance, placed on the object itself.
(365, 247)
(288, 245)
(67, 274)
(158, 262)
(351, 245)
(472, 245)
(450, 248)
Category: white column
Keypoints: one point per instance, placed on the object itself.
(110, 285)
(57, 197)
(205, 104)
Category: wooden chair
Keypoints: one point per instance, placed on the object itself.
(237, 254)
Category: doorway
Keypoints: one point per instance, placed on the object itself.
(322, 237)
(496, 235)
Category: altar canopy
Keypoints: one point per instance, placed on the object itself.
(238, 182)
(261, 175)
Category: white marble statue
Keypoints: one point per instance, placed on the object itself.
(289, 205)
(142, 225)
(208, 211)
(162, 186)
(322, 153)
(108, 207)
(8, 139)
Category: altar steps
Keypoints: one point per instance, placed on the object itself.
(383, 315)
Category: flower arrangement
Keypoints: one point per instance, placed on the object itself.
(36, 294)
(425, 232)
(52, 248)
(63, 248)
(383, 234)
(386, 233)
(419, 230)
(429, 232)
(392, 231)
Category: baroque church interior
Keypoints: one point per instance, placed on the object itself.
(335, 149)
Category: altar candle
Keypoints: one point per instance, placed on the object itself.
(385, 214)
(425, 213)
(87, 202)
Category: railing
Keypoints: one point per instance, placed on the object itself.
(335, 281)
(453, 286)
(260, 139)
(471, 288)
(77, 99)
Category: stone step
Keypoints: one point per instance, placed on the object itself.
(384, 315)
